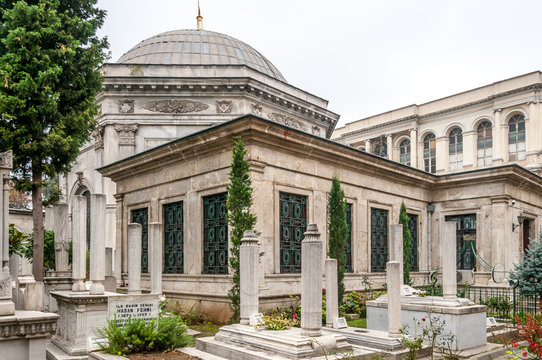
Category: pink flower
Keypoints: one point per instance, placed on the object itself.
(423, 319)
(514, 344)
(294, 316)
(525, 354)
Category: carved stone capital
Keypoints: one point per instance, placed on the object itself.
(176, 106)
(6, 160)
(126, 133)
(224, 106)
(119, 197)
(126, 106)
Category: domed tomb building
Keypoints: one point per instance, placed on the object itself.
(175, 84)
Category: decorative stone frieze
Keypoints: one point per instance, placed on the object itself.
(126, 106)
(256, 110)
(287, 120)
(176, 106)
(126, 133)
(224, 106)
(98, 135)
(316, 130)
(6, 160)
(28, 326)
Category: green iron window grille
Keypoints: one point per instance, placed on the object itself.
(173, 238)
(413, 227)
(141, 216)
(465, 225)
(293, 224)
(215, 235)
(348, 248)
(379, 239)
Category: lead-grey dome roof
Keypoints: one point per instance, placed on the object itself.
(198, 47)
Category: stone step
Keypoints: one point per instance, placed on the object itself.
(200, 354)
(53, 352)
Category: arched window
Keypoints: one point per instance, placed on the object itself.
(456, 149)
(380, 146)
(516, 138)
(484, 144)
(429, 153)
(404, 152)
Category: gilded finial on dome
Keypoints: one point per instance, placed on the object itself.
(200, 19)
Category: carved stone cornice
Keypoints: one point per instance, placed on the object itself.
(288, 121)
(6, 160)
(176, 106)
(29, 326)
(126, 133)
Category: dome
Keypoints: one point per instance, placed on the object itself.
(198, 47)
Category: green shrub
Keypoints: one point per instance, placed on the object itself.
(190, 316)
(138, 335)
(354, 304)
(278, 322)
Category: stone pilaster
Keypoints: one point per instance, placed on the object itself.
(249, 265)
(97, 244)
(500, 148)
(134, 258)
(79, 245)
(414, 148)
(311, 282)
(389, 146)
(332, 292)
(126, 139)
(448, 258)
(442, 152)
(393, 272)
(469, 150)
(155, 257)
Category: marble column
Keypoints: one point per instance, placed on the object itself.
(389, 146)
(396, 248)
(311, 282)
(7, 307)
(393, 270)
(134, 258)
(448, 260)
(332, 292)
(414, 148)
(79, 244)
(49, 219)
(121, 243)
(368, 146)
(155, 257)
(62, 245)
(249, 265)
(97, 244)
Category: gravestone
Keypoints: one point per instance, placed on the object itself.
(134, 258)
(249, 256)
(155, 257)
(332, 293)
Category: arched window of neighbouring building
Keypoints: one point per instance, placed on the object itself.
(404, 152)
(484, 144)
(516, 138)
(456, 149)
(429, 153)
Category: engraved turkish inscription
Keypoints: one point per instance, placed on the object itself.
(123, 308)
(176, 106)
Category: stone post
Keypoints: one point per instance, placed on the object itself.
(134, 258)
(97, 244)
(332, 292)
(448, 258)
(62, 246)
(155, 257)
(79, 234)
(393, 270)
(7, 307)
(311, 282)
(396, 251)
(249, 264)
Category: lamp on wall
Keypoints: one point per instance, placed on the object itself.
(521, 219)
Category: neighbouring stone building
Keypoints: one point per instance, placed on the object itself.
(182, 184)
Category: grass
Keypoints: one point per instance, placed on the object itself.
(360, 323)
(206, 329)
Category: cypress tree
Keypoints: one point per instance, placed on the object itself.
(337, 231)
(239, 216)
(407, 244)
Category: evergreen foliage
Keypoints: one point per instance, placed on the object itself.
(240, 218)
(49, 77)
(407, 244)
(337, 231)
(527, 275)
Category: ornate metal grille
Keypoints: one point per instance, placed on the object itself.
(413, 227)
(379, 239)
(141, 216)
(466, 225)
(293, 224)
(173, 238)
(215, 235)
(348, 249)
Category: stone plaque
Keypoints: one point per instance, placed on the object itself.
(256, 319)
(340, 323)
(490, 321)
(132, 307)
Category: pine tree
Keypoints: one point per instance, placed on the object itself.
(49, 77)
(337, 231)
(527, 275)
(407, 244)
(239, 217)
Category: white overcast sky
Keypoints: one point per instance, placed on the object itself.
(365, 57)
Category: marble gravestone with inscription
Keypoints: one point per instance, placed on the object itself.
(125, 307)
